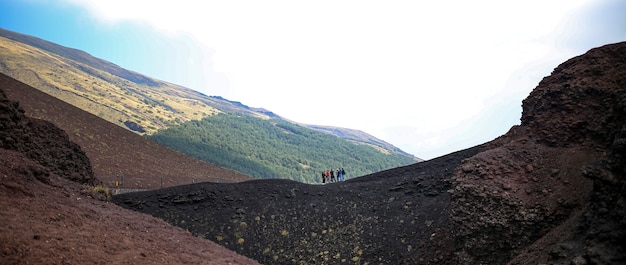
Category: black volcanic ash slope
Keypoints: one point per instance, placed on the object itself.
(390, 216)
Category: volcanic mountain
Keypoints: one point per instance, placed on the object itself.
(549, 191)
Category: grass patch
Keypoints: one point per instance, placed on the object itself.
(100, 191)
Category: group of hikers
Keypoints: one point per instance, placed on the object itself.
(332, 176)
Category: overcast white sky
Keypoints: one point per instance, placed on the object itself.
(430, 77)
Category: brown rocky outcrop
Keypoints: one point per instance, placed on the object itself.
(581, 102)
(42, 142)
(551, 172)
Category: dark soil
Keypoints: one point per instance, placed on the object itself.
(394, 215)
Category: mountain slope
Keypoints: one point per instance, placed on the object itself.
(113, 151)
(103, 94)
(273, 148)
(120, 96)
(79, 56)
(360, 137)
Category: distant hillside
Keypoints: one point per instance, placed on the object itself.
(146, 106)
(126, 98)
(274, 148)
(80, 56)
(360, 137)
(113, 151)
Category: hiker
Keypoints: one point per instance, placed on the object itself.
(332, 175)
(343, 174)
(339, 175)
(323, 178)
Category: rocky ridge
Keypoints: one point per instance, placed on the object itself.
(549, 173)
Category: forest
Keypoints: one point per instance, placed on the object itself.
(272, 148)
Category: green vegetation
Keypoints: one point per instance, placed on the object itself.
(271, 148)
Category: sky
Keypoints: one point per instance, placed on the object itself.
(430, 77)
